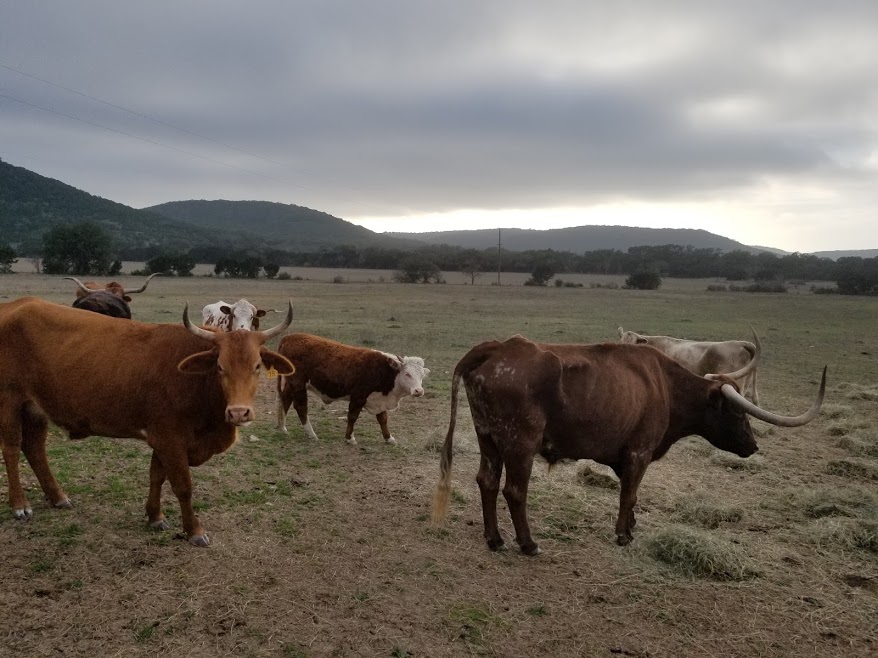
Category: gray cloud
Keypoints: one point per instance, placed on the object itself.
(391, 108)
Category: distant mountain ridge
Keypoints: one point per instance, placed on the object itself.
(580, 238)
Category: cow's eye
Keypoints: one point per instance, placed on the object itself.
(220, 368)
(258, 366)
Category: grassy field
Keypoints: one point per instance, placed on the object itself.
(325, 549)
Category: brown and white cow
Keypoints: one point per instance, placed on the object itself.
(618, 404)
(369, 379)
(230, 317)
(111, 299)
(182, 389)
(703, 357)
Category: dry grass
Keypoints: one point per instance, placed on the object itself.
(323, 549)
(699, 553)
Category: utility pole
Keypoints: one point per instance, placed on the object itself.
(498, 256)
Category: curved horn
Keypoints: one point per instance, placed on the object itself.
(784, 421)
(198, 331)
(143, 287)
(282, 327)
(746, 370)
(80, 284)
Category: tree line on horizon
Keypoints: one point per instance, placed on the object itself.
(83, 249)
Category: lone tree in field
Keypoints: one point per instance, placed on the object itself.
(76, 249)
(7, 259)
(171, 264)
(472, 269)
(417, 268)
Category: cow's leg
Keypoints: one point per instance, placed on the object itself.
(283, 402)
(633, 468)
(157, 477)
(617, 469)
(300, 402)
(385, 432)
(518, 471)
(354, 409)
(10, 436)
(176, 466)
(34, 432)
(488, 479)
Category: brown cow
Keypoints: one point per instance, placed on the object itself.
(370, 379)
(111, 299)
(619, 404)
(182, 389)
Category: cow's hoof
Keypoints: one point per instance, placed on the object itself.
(352, 441)
(391, 441)
(532, 550)
(497, 546)
(199, 540)
(64, 503)
(624, 540)
(161, 524)
(24, 514)
(283, 429)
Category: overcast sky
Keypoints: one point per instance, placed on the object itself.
(754, 120)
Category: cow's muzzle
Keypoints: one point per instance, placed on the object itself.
(239, 415)
(418, 392)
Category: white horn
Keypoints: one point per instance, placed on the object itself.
(746, 370)
(198, 331)
(775, 419)
(282, 327)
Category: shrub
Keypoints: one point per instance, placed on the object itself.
(820, 290)
(716, 288)
(284, 276)
(338, 279)
(559, 283)
(644, 281)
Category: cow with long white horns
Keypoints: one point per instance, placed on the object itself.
(703, 356)
(182, 389)
(111, 299)
(618, 404)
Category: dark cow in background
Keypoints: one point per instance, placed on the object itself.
(230, 317)
(369, 379)
(182, 389)
(111, 299)
(703, 357)
(621, 405)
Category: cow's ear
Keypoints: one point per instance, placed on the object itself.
(277, 361)
(621, 332)
(641, 341)
(426, 371)
(126, 298)
(394, 362)
(261, 313)
(226, 310)
(200, 363)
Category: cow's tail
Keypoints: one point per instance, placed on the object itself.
(473, 359)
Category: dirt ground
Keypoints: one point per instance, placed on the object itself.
(319, 548)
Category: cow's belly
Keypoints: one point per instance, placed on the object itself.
(376, 403)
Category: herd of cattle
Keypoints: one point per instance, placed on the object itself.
(186, 389)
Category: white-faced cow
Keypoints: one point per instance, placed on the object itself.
(111, 299)
(703, 357)
(620, 405)
(369, 379)
(230, 317)
(182, 389)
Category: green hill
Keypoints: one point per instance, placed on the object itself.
(30, 204)
(286, 226)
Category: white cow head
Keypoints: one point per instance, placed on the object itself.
(229, 317)
(410, 374)
(631, 337)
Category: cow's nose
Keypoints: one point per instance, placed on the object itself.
(239, 415)
(418, 392)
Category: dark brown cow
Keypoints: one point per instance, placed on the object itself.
(182, 389)
(621, 405)
(371, 380)
(111, 299)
